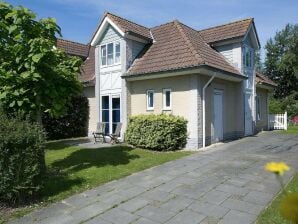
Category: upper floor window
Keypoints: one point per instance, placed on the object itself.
(167, 99)
(247, 57)
(150, 99)
(110, 54)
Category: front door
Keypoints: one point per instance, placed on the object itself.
(218, 115)
(110, 112)
(248, 114)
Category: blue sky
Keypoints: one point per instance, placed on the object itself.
(79, 18)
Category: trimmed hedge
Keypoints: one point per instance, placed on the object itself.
(157, 132)
(73, 124)
(22, 162)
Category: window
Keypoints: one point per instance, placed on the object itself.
(117, 52)
(247, 57)
(150, 99)
(167, 99)
(258, 108)
(110, 54)
(104, 55)
(105, 113)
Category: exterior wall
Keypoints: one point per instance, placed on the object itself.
(232, 52)
(262, 124)
(184, 100)
(110, 35)
(89, 92)
(133, 48)
(233, 125)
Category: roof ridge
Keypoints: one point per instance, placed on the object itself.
(109, 13)
(75, 42)
(186, 39)
(226, 24)
(164, 24)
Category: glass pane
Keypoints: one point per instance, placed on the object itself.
(105, 102)
(116, 103)
(107, 129)
(103, 55)
(116, 116)
(105, 115)
(150, 99)
(110, 54)
(117, 53)
(168, 98)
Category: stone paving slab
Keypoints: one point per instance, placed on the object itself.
(226, 184)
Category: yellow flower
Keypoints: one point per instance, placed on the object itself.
(289, 207)
(278, 168)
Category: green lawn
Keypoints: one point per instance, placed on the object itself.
(271, 214)
(74, 169)
(292, 130)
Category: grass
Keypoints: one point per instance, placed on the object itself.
(271, 214)
(73, 169)
(291, 130)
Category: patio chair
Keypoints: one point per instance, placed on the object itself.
(116, 134)
(99, 133)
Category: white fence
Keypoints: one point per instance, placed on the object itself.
(278, 121)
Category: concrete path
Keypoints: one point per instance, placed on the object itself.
(226, 184)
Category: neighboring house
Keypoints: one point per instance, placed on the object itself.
(206, 76)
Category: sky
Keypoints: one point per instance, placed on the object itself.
(78, 19)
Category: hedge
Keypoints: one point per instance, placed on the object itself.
(73, 124)
(22, 162)
(157, 132)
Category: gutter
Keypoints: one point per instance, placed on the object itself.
(204, 109)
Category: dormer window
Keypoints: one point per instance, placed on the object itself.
(247, 56)
(103, 55)
(110, 54)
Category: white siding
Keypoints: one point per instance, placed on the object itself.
(110, 35)
(227, 52)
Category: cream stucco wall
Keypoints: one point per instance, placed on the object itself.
(262, 124)
(233, 107)
(184, 100)
(180, 87)
(89, 92)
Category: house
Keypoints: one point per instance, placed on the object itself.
(207, 76)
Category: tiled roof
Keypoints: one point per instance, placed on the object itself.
(126, 26)
(178, 46)
(226, 31)
(263, 79)
(88, 68)
(86, 52)
(73, 48)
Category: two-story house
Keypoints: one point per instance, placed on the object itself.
(207, 76)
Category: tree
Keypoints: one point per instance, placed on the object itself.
(258, 62)
(281, 63)
(35, 77)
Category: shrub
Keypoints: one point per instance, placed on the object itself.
(73, 124)
(22, 162)
(157, 132)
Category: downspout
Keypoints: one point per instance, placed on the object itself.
(204, 110)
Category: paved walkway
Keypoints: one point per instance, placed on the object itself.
(226, 184)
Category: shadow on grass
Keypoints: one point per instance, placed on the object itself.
(86, 158)
(59, 178)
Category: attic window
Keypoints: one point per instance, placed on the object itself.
(247, 57)
(110, 54)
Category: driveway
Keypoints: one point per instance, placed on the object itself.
(225, 184)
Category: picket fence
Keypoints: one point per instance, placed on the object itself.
(278, 121)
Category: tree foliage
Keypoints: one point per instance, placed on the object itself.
(34, 75)
(281, 62)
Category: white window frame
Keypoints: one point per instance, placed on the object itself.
(247, 56)
(114, 54)
(164, 99)
(148, 101)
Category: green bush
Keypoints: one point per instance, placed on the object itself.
(157, 132)
(22, 162)
(73, 124)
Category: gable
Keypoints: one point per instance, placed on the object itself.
(109, 35)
